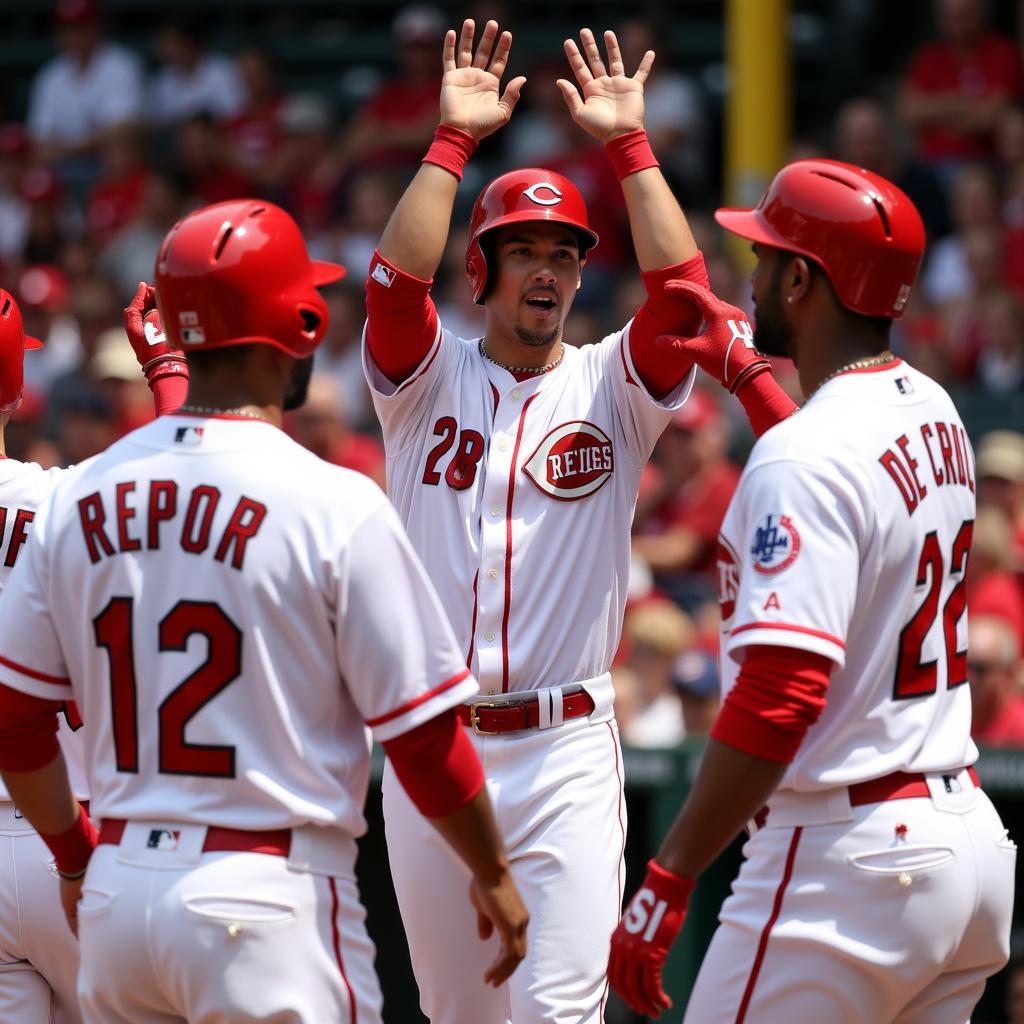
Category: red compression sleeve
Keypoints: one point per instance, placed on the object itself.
(169, 389)
(764, 402)
(437, 765)
(660, 370)
(28, 730)
(401, 321)
(779, 694)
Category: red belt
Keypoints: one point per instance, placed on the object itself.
(490, 717)
(276, 843)
(897, 786)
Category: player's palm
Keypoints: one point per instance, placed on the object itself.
(612, 103)
(471, 97)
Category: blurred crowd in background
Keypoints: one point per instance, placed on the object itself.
(111, 148)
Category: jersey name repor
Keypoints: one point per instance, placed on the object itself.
(162, 504)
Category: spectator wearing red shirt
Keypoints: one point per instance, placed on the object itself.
(958, 85)
(321, 426)
(683, 498)
(117, 194)
(994, 669)
(397, 123)
(254, 134)
(993, 588)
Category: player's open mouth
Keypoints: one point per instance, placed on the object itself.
(541, 305)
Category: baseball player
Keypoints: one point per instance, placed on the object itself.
(38, 953)
(514, 462)
(878, 880)
(221, 604)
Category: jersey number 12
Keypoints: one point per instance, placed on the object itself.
(176, 756)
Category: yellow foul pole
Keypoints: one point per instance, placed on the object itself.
(758, 102)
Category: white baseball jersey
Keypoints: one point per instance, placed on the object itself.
(518, 497)
(227, 610)
(23, 488)
(848, 535)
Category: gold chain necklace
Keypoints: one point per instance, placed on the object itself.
(521, 369)
(860, 364)
(205, 410)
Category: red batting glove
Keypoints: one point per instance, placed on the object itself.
(149, 341)
(725, 349)
(644, 936)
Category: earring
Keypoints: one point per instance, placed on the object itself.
(790, 299)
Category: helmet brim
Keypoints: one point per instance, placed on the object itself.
(588, 237)
(326, 273)
(32, 343)
(751, 225)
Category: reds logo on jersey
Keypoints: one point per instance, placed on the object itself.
(728, 580)
(573, 461)
(775, 546)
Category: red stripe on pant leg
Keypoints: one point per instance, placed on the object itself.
(787, 873)
(622, 851)
(336, 936)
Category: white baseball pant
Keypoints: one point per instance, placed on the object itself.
(890, 912)
(38, 953)
(558, 798)
(174, 935)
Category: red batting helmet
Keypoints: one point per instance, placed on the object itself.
(530, 194)
(13, 343)
(861, 229)
(238, 273)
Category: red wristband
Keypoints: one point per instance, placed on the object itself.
(630, 153)
(73, 847)
(451, 149)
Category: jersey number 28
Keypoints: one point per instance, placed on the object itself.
(915, 678)
(176, 756)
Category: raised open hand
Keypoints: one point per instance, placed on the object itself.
(612, 103)
(470, 87)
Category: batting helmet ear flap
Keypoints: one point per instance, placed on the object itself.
(13, 343)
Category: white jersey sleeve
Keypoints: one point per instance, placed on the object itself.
(31, 657)
(795, 527)
(395, 647)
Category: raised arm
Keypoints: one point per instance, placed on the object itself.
(612, 109)
(472, 107)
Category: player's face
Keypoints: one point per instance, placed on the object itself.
(772, 333)
(538, 272)
(298, 385)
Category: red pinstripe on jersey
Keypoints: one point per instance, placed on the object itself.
(508, 543)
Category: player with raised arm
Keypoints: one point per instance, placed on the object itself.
(221, 605)
(878, 880)
(38, 954)
(514, 461)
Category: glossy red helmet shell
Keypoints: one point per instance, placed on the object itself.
(529, 194)
(861, 229)
(238, 273)
(13, 343)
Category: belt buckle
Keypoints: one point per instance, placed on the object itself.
(474, 716)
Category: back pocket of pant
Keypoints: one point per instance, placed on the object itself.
(902, 860)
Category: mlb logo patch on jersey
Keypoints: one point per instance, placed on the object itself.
(573, 461)
(188, 435)
(383, 275)
(775, 544)
(904, 385)
(163, 839)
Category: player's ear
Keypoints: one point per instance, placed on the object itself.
(797, 279)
